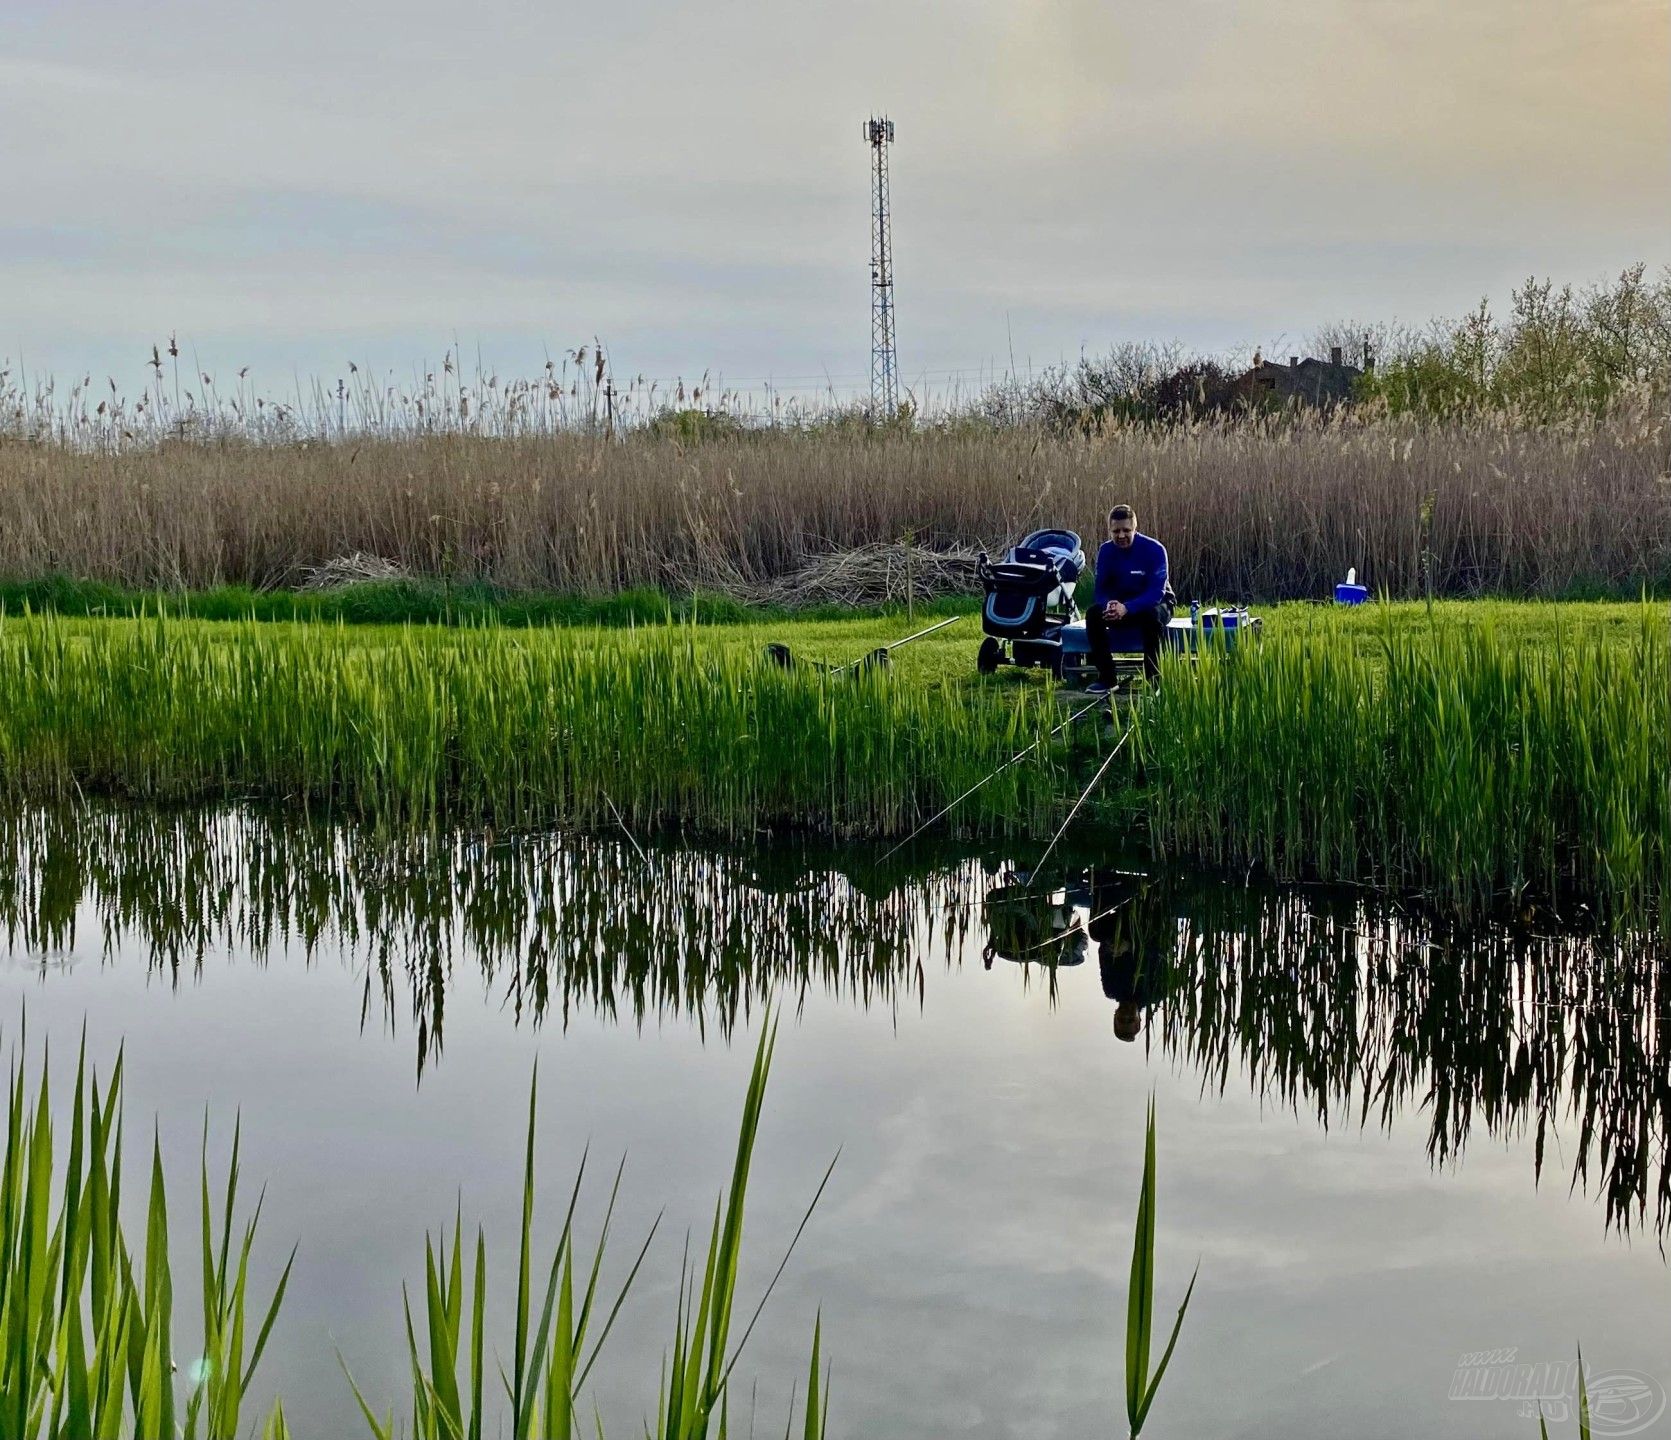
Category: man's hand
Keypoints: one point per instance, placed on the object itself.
(1114, 610)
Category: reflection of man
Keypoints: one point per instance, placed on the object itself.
(1133, 956)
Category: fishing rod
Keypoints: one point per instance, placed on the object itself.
(879, 656)
(780, 654)
(1019, 755)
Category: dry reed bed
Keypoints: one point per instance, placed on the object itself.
(1255, 512)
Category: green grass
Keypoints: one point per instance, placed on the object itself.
(665, 728)
(1142, 1383)
(424, 602)
(86, 1316)
(1460, 761)
(555, 1346)
(473, 603)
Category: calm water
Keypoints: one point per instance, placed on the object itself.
(1390, 1148)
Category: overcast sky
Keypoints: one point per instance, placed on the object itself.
(295, 184)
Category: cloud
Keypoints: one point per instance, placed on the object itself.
(1068, 172)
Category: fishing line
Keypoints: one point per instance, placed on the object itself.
(1083, 797)
(623, 824)
(1019, 755)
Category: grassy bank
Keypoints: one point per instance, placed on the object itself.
(661, 728)
(1478, 765)
(425, 602)
(1481, 756)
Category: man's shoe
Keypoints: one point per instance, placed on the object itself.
(1098, 687)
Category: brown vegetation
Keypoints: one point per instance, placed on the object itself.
(1266, 510)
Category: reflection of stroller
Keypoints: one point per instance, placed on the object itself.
(1029, 925)
(1029, 598)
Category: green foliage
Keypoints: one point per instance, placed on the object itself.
(424, 602)
(1558, 355)
(553, 1355)
(1447, 761)
(551, 1358)
(1141, 1384)
(1584, 1427)
(692, 426)
(86, 1321)
(86, 1318)
(647, 728)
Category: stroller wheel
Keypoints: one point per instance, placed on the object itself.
(991, 656)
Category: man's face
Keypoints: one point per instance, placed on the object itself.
(1121, 531)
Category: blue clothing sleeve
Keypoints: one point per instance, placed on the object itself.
(1155, 590)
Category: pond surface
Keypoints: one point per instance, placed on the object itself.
(1416, 1168)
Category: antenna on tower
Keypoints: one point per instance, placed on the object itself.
(884, 363)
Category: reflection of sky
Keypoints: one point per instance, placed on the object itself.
(971, 1254)
(296, 185)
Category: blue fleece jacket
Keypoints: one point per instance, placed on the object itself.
(1135, 576)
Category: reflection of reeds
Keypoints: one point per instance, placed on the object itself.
(1337, 1006)
(1354, 1012)
(553, 925)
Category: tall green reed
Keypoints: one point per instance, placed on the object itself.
(1481, 773)
(86, 1318)
(1142, 1384)
(553, 1354)
(660, 728)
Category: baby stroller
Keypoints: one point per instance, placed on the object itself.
(1029, 599)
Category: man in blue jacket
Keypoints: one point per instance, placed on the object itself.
(1133, 593)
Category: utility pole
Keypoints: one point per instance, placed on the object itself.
(884, 363)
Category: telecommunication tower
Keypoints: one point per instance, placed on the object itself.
(884, 363)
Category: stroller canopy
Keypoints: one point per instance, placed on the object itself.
(1059, 548)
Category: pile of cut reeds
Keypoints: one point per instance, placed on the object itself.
(872, 575)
